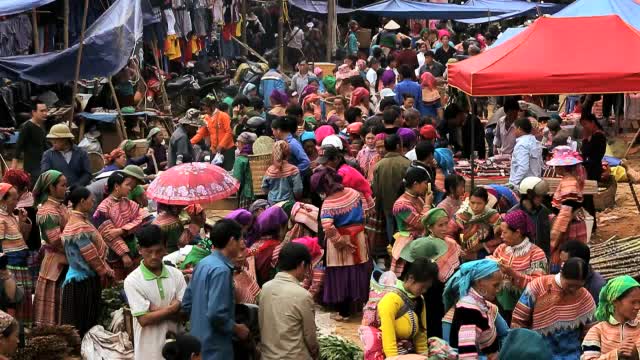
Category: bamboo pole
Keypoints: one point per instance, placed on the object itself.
(331, 28)
(36, 35)
(122, 132)
(78, 61)
(66, 24)
(165, 100)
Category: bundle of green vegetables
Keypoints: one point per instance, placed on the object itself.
(338, 348)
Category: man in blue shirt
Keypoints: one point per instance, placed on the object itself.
(210, 297)
(270, 81)
(408, 86)
(282, 129)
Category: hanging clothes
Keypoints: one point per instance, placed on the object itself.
(15, 36)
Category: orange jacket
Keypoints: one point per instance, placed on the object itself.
(218, 129)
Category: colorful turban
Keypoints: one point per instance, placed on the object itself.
(312, 245)
(428, 80)
(358, 95)
(41, 188)
(518, 220)
(307, 135)
(259, 204)
(381, 136)
(113, 155)
(241, 216)
(329, 83)
(611, 292)
(459, 284)
(308, 90)
(270, 221)
(388, 78)
(4, 189)
(310, 99)
(279, 97)
(317, 71)
(407, 136)
(19, 178)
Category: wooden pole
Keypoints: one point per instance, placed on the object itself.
(78, 61)
(36, 35)
(243, 33)
(635, 197)
(281, 36)
(331, 28)
(66, 24)
(120, 127)
(165, 100)
(473, 143)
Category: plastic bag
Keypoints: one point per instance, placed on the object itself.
(218, 159)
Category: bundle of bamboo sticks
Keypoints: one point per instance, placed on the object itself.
(616, 257)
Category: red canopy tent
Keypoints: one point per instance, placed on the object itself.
(575, 55)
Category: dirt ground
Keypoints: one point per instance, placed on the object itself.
(621, 221)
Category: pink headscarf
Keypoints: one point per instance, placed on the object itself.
(323, 131)
(344, 72)
(312, 245)
(309, 99)
(381, 136)
(443, 32)
(317, 71)
(357, 95)
(428, 80)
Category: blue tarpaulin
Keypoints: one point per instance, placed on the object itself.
(507, 34)
(10, 7)
(108, 44)
(317, 7)
(507, 9)
(111, 117)
(406, 9)
(628, 10)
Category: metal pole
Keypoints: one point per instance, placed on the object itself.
(36, 35)
(331, 28)
(66, 24)
(78, 61)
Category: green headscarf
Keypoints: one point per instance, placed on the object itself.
(612, 292)
(432, 216)
(329, 82)
(128, 145)
(153, 132)
(41, 189)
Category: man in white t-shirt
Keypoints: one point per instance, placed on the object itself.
(154, 292)
(372, 75)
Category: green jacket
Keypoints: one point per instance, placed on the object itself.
(387, 180)
(242, 172)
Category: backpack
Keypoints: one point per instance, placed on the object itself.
(377, 292)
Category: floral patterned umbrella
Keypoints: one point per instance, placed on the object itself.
(192, 183)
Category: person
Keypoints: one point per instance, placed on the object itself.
(129, 148)
(408, 86)
(282, 129)
(408, 210)
(52, 217)
(183, 347)
(272, 80)
(347, 255)
(174, 232)
(294, 41)
(339, 108)
(472, 323)
(155, 139)
(218, 130)
(245, 285)
(180, 148)
(431, 65)
(524, 344)
(532, 194)
(352, 38)
(616, 334)
(445, 51)
(594, 281)
(407, 56)
(476, 226)
(505, 133)
(456, 131)
(286, 314)
(445, 253)
(368, 152)
(242, 169)
(387, 174)
(270, 227)
(9, 336)
(526, 159)
(594, 145)
(431, 103)
(66, 157)
(360, 99)
(300, 79)
(114, 161)
(372, 76)
(569, 224)
(154, 293)
(520, 260)
(86, 254)
(559, 308)
(117, 219)
(15, 228)
(32, 143)
(209, 298)
(454, 186)
(282, 181)
(409, 329)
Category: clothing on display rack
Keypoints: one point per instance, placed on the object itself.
(15, 36)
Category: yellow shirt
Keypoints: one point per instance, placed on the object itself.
(404, 328)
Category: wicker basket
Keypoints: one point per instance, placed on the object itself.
(606, 198)
(142, 145)
(258, 164)
(96, 162)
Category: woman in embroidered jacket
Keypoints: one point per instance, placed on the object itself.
(342, 218)
(472, 323)
(476, 226)
(86, 253)
(49, 192)
(617, 335)
(245, 285)
(13, 230)
(408, 210)
(282, 181)
(176, 235)
(445, 253)
(520, 260)
(270, 224)
(117, 218)
(559, 308)
(569, 224)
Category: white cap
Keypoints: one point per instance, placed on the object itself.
(333, 140)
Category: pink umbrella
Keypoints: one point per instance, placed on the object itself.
(192, 183)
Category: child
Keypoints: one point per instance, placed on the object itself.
(282, 181)
(408, 101)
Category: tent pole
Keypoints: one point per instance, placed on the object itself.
(78, 61)
(66, 24)
(36, 35)
(122, 133)
(473, 142)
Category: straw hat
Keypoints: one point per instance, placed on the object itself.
(60, 131)
(391, 25)
(263, 145)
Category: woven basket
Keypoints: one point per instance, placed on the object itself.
(258, 164)
(606, 198)
(96, 162)
(263, 145)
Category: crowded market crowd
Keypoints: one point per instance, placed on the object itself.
(362, 211)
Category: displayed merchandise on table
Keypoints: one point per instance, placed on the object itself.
(495, 167)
